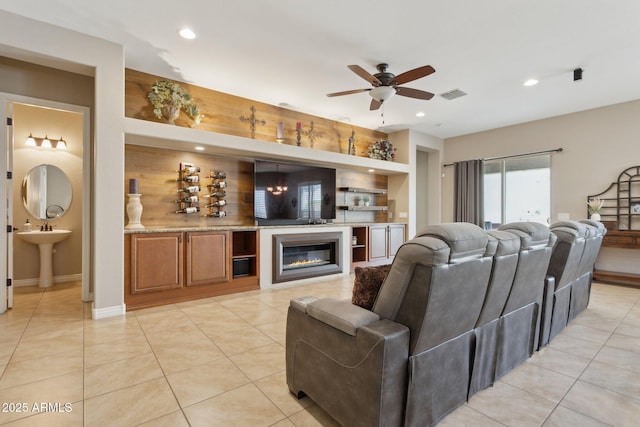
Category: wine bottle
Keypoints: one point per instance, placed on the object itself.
(190, 209)
(216, 194)
(217, 175)
(217, 204)
(190, 169)
(189, 178)
(221, 184)
(220, 214)
(190, 189)
(188, 199)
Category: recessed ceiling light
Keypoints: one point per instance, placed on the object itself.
(372, 170)
(531, 82)
(420, 114)
(199, 148)
(187, 33)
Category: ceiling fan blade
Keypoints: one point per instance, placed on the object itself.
(348, 92)
(365, 74)
(375, 104)
(414, 93)
(414, 74)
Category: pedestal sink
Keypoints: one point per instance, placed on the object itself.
(45, 241)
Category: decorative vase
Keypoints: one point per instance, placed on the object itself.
(134, 211)
(595, 216)
(171, 113)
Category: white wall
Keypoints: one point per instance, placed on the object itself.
(60, 48)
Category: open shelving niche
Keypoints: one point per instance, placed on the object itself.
(354, 212)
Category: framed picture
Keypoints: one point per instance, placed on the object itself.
(635, 208)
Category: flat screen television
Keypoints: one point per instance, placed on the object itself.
(292, 193)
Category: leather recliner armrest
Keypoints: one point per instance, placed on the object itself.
(341, 314)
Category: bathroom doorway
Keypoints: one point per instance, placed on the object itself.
(49, 188)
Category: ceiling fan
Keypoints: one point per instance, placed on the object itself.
(386, 84)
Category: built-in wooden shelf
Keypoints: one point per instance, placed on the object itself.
(363, 190)
(363, 208)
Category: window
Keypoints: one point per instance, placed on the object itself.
(517, 189)
(310, 195)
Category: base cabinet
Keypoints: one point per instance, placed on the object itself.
(170, 267)
(376, 244)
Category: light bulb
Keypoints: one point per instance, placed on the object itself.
(45, 142)
(30, 142)
(61, 145)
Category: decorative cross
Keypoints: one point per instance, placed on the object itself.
(312, 134)
(252, 121)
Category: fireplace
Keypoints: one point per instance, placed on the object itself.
(301, 256)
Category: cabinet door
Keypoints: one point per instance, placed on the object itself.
(207, 257)
(396, 238)
(378, 242)
(156, 262)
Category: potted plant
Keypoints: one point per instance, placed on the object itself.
(168, 99)
(595, 205)
(366, 200)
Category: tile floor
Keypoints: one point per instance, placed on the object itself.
(220, 362)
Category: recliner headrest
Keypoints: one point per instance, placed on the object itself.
(532, 234)
(507, 243)
(579, 227)
(466, 240)
(601, 230)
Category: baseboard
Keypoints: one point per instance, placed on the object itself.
(102, 313)
(57, 279)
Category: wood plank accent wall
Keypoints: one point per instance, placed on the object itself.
(222, 114)
(155, 170)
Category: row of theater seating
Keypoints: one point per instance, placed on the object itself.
(459, 308)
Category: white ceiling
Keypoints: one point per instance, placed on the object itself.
(293, 52)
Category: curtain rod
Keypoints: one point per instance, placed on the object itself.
(557, 150)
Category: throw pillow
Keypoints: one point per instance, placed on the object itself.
(367, 284)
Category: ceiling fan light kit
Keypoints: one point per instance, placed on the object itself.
(386, 85)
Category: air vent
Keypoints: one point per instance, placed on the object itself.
(453, 94)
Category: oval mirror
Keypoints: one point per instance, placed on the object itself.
(46, 192)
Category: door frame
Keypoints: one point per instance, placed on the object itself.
(5, 100)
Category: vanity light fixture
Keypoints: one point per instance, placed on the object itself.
(33, 141)
(30, 142)
(45, 142)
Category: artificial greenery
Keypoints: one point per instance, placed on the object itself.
(165, 93)
(382, 150)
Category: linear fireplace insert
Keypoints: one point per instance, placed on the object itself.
(301, 256)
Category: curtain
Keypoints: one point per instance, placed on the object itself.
(468, 191)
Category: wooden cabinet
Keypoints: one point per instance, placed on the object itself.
(376, 244)
(156, 262)
(207, 258)
(170, 267)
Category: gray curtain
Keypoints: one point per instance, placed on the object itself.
(468, 191)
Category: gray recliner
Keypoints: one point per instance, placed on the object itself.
(503, 272)
(581, 290)
(565, 267)
(521, 317)
(408, 361)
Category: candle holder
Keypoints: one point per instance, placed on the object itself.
(134, 212)
(298, 136)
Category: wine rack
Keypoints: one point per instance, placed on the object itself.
(188, 188)
(216, 199)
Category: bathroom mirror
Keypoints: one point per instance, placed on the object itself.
(46, 192)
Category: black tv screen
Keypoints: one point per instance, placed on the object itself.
(288, 193)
